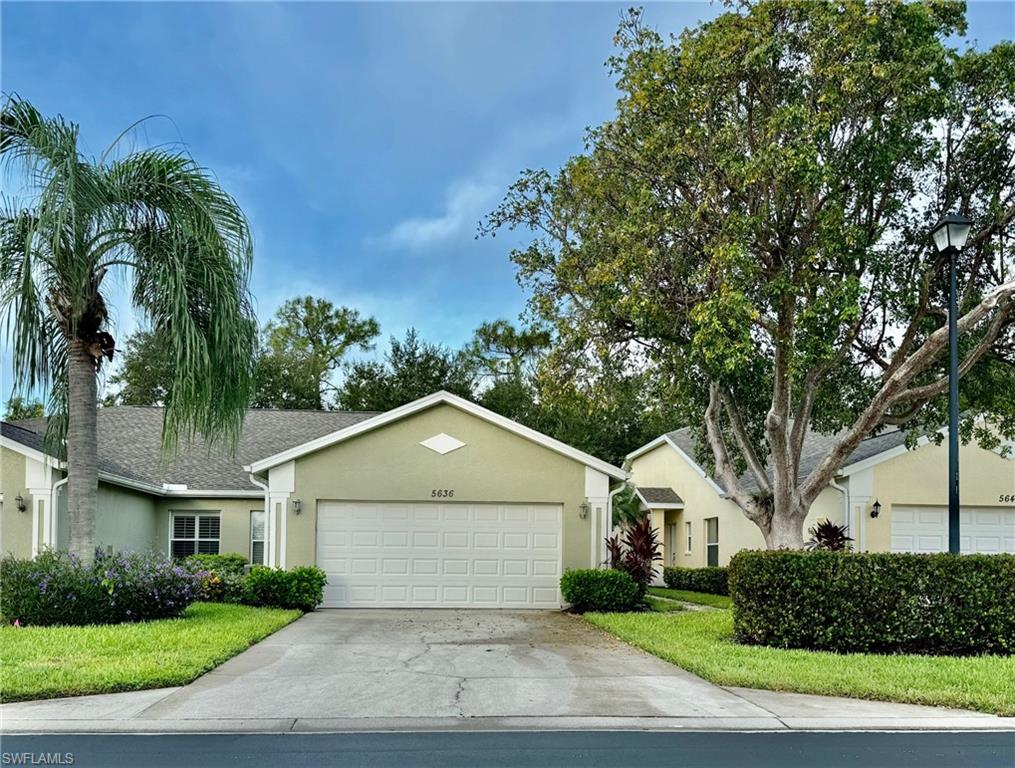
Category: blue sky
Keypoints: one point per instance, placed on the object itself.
(364, 141)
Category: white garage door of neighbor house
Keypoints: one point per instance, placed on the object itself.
(925, 529)
(396, 555)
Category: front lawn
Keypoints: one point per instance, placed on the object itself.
(701, 642)
(662, 606)
(46, 662)
(699, 598)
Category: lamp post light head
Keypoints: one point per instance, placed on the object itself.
(951, 232)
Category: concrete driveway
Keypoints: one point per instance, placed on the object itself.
(387, 669)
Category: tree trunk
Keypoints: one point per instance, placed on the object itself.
(786, 531)
(82, 450)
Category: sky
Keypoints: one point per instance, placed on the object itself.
(364, 141)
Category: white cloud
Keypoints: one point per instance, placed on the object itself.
(465, 204)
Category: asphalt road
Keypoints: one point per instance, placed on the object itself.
(515, 748)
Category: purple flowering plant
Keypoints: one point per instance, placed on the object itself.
(56, 588)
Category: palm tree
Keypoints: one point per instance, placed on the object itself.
(160, 223)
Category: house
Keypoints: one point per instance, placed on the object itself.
(891, 498)
(437, 503)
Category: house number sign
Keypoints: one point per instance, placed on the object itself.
(442, 493)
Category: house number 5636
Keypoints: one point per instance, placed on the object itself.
(442, 493)
(1007, 498)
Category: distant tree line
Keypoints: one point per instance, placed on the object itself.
(303, 363)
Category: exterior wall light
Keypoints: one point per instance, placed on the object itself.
(876, 508)
(297, 506)
(19, 503)
(583, 510)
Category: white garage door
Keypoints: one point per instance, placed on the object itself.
(389, 554)
(925, 529)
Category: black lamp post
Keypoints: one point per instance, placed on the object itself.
(949, 236)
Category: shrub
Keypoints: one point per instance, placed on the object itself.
(301, 587)
(221, 587)
(222, 577)
(712, 581)
(229, 563)
(828, 535)
(875, 602)
(56, 589)
(605, 590)
(635, 554)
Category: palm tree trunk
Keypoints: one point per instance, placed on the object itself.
(82, 450)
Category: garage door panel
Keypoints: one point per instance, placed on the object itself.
(425, 566)
(486, 540)
(454, 554)
(395, 539)
(925, 529)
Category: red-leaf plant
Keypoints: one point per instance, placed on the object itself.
(636, 552)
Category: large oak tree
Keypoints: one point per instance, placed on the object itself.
(753, 227)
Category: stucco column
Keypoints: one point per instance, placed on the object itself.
(597, 496)
(39, 487)
(281, 483)
(658, 519)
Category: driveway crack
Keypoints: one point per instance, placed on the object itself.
(457, 700)
(777, 718)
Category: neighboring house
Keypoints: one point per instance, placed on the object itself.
(700, 526)
(437, 503)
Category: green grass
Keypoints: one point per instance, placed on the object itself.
(662, 606)
(701, 598)
(45, 662)
(702, 642)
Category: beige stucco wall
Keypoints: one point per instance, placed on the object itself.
(389, 464)
(663, 466)
(125, 519)
(920, 476)
(234, 532)
(15, 527)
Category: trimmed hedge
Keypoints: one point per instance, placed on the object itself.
(596, 589)
(229, 563)
(712, 581)
(874, 602)
(301, 587)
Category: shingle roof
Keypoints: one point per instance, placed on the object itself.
(658, 495)
(815, 448)
(130, 444)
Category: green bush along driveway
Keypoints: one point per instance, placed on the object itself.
(702, 642)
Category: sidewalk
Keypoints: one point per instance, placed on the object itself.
(137, 712)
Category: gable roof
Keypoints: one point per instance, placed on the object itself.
(130, 446)
(655, 497)
(437, 398)
(816, 447)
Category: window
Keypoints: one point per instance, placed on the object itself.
(712, 541)
(671, 542)
(257, 537)
(194, 534)
(687, 531)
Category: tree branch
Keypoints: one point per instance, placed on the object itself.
(893, 388)
(744, 442)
